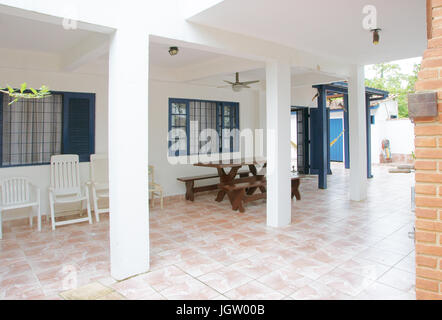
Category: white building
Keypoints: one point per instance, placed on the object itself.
(385, 125)
(117, 52)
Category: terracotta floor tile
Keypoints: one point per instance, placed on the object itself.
(198, 265)
(11, 270)
(227, 250)
(381, 256)
(331, 255)
(407, 264)
(224, 279)
(399, 279)
(318, 291)
(346, 282)
(284, 280)
(378, 291)
(254, 291)
(164, 278)
(22, 292)
(134, 289)
(311, 268)
(396, 246)
(254, 267)
(366, 268)
(189, 289)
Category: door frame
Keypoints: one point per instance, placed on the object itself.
(306, 128)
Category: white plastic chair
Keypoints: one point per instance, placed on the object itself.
(99, 182)
(155, 189)
(18, 193)
(66, 187)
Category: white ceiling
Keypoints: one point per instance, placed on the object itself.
(328, 28)
(218, 80)
(159, 56)
(300, 77)
(25, 34)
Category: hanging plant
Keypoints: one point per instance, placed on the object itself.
(25, 93)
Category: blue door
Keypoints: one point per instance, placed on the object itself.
(336, 140)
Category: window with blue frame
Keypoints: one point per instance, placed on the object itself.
(32, 130)
(202, 127)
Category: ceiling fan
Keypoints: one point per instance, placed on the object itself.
(238, 85)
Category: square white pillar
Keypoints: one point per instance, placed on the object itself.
(358, 134)
(128, 153)
(278, 96)
(262, 122)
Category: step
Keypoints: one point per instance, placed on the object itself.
(406, 167)
(399, 171)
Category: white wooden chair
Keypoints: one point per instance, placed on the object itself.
(18, 193)
(99, 182)
(66, 187)
(155, 189)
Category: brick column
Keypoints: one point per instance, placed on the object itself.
(428, 143)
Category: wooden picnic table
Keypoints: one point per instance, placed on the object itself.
(228, 178)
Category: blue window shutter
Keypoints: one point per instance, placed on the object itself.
(79, 125)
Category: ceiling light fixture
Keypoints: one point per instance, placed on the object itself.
(173, 51)
(376, 36)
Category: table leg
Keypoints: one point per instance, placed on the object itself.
(222, 176)
(237, 203)
(226, 179)
(189, 191)
(254, 171)
(295, 189)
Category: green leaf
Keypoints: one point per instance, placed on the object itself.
(23, 87)
(10, 89)
(44, 89)
(33, 91)
(13, 101)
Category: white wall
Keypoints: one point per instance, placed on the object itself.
(400, 132)
(37, 69)
(302, 96)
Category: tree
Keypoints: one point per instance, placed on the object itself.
(390, 78)
(25, 93)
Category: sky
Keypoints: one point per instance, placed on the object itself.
(406, 66)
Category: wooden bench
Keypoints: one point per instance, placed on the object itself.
(190, 183)
(243, 189)
(241, 192)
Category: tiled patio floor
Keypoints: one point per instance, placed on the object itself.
(335, 249)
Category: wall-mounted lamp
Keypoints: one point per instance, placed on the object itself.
(173, 51)
(376, 36)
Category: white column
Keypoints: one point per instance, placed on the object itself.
(128, 153)
(263, 121)
(278, 86)
(358, 134)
